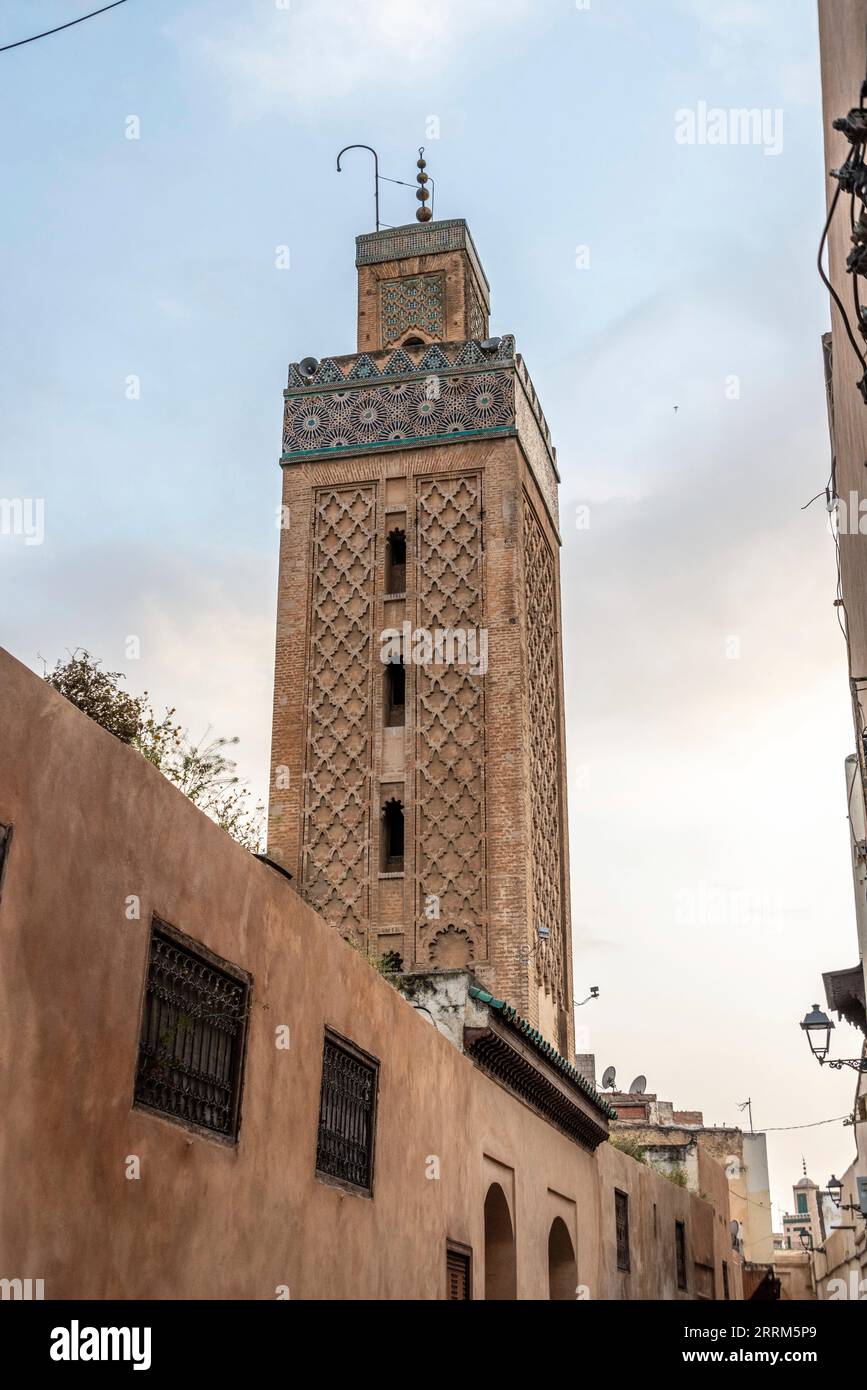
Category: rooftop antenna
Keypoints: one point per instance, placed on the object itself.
(748, 1105)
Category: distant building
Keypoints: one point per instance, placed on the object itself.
(807, 1222)
(678, 1143)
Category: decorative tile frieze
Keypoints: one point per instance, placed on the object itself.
(400, 361)
(413, 239)
(376, 405)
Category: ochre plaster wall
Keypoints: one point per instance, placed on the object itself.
(93, 825)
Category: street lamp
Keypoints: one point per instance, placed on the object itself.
(835, 1192)
(818, 1027)
(806, 1239)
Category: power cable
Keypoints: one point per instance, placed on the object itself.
(4, 48)
(776, 1129)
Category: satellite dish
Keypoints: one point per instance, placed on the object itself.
(608, 1078)
(308, 366)
(639, 1086)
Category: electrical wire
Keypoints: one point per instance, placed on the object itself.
(827, 283)
(777, 1129)
(4, 48)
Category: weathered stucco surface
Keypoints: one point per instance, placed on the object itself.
(94, 825)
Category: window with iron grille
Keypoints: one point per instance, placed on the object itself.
(193, 1031)
(5, 837)
(680, 1253)
(458, 1266)
(621, 1220)
(347, 1114)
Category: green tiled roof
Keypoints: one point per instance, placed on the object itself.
(550, 1053)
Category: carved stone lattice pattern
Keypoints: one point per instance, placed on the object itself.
(450, 720)
(477, 319)
(545, 769)
(335, 866)
(451, 949)
(415, 301)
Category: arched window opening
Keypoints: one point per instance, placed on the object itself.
(562, 1268)
(395, 562)
(413, 342)
(392, 837)
(394, 696)
(501, 1274)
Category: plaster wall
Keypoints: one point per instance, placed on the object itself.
(95, 826)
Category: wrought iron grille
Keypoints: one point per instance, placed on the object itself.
(192, 1038)
(680, 1253)
(347, 1115)
(5, 837)
(621, 1218)
(457, 1275)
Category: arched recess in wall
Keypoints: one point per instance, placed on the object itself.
(501, 1274)
(562, 1267)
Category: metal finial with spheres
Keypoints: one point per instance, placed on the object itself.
(424, 213)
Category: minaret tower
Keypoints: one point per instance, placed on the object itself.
(418, 789)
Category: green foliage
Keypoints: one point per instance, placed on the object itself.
(201, 770)
(97, 694)
(204, 774)
(388, 966)
(627, 1145)
(675, 1175)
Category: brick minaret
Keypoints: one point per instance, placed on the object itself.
(420, 800)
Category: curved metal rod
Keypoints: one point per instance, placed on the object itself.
(375, 172)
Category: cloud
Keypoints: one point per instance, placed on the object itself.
(309, 54)
(205, 623)
(751, 43)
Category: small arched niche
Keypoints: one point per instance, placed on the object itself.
(501, 1272)
(392, 836)
(395, 561)
(562, 1266)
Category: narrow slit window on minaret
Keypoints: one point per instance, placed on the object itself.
(394, 697)
(392, 837)
(395, 562)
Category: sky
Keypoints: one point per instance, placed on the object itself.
(665, 298)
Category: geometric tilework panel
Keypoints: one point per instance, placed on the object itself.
(335, 876)
(544, 727)
(416, 301)
(387, 412)
(450, 726)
